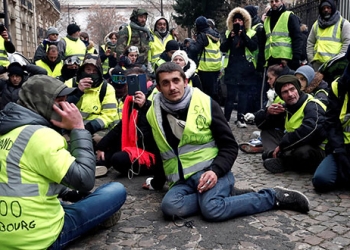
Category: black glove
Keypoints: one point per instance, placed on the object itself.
(343, 163)
(90, 128)
(73, 195)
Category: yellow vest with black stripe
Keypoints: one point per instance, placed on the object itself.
(251, 56)
(157, 46)
(295, 121)
(210, 59)
(4, 60)
(31, 215)
(75, 48)
(278, 42)
(344, 116)
(328, 41)
(91, 108)
(197, 148)
(56, 71)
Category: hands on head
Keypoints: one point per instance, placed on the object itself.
(70, 114)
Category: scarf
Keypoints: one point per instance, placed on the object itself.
(173, 107)
(331, 21)
(144, 29)
(129, 136)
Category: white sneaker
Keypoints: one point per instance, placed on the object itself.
(241, 124)
(101, 171)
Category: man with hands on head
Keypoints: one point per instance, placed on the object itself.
(293, 134)
(198, 150)
(38, 167)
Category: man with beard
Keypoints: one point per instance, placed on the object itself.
(137, 34)
(51, 62)
(282, 38)
(161, 36)
(293, 133)
(329, 36)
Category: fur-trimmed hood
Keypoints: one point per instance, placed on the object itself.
(246, 18)
(190, 68)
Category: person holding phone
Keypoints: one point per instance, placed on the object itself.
(129, 147)
(240, 63)
(6, 46)
(108, 54)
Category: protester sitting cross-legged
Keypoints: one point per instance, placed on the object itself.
(198, 151)
(40, 166)
(129, 147)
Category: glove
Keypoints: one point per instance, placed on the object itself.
(249, 117)
(343, 163)
(73, 195)
(147, 185)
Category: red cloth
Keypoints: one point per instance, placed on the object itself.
(129, 136)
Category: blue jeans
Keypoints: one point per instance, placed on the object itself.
(89, 212)
(216, 204)
(326, 175)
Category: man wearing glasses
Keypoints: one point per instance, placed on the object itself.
(281, 37)
(51, 39)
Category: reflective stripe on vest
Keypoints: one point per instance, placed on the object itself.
(15, 187)
(4, 60)
(278, 42)
(210, 59)
(328, 41)
(196, 149)
(250, 56)
(75, 48)
(344, 117)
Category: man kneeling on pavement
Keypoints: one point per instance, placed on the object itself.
(293, 133)
(198, 151)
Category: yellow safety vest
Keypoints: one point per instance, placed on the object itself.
(295, 121)
(31, 216)
(55, 73)
(344, 116)
(75, 48)
(197, 148)
(278, 42)
(328, 41)
(105, 64)
(90, 51)
(4, 60)
(251, 56)
(157, 47)
(91, 108)
(210, 59)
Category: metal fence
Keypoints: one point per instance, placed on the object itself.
(307, 12)
(344, 8)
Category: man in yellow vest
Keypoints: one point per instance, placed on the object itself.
(205, 51)
(52, 63)
(71, 45)
(334, 170)
(292, 133)
(282, 38)
(198, 150)
(161, 35)
(329, 36)
(6, 46)
(37, 167)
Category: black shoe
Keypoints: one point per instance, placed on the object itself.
(239, 191)
(291, 200)
(274, 165)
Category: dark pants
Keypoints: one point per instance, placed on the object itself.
(242, 94)
(305, 158)
(210, 83)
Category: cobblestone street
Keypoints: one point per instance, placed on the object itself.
(142, 225)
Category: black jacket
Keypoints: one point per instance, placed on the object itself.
(9, 92)
(311, 131)
(225, 141)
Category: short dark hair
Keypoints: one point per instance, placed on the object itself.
(135, 71)
(169, 67)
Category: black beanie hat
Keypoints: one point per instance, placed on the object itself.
(15, 69)
(283, 80)
(72, 28)
(251, 10)
(238, 15)
(172, 45)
